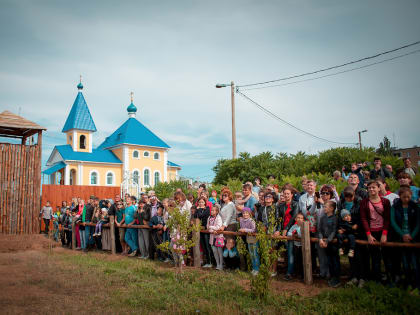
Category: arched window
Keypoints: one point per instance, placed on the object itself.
(109, 178)
(135, 154)
(146, 177)
(157, 178)
(73, 177)
(146, 154)
(82, 143)
(136, 177)
(94, 178)
(156, 156)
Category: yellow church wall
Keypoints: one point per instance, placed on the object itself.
(102, 170)
(171, 174)
(142, 162)
(119, 153)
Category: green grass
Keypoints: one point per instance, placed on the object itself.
(147, 286)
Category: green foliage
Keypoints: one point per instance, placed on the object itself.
(247, 167)
(181, 229)
(166, 190)
(385, 147)
(393, 184)
(416, 180)
(268, 252)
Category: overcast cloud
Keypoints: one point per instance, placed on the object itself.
(172, 53)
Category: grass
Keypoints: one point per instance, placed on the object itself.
(134, 285)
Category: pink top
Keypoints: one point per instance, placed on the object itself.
(376, 216)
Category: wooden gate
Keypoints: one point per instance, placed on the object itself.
(20, 184)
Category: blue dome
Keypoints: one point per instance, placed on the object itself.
(80, 86)
(131, 108)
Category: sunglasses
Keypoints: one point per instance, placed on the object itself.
(225, 195)
(325, 193)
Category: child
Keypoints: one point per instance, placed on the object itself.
(157, 224)
(327, 228)
(247, 225)
(231, 255)
(56, 216)
(405, 221)
(97, 216)
(346, 231)
(294, 249)
(104, 218)
(203, 213)
(214, 224)
(239, 203)
(213, 199)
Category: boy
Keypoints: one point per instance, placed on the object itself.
(327, 228)
(346, 231)
(157, 224)
(295, 248)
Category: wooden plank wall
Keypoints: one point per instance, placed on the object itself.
(55, 194)
(20, 185)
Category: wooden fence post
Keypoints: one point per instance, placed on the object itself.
(112, 228)
(306, 253)
(196, 249)
(73, 234)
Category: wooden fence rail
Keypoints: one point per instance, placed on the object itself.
(305, 240)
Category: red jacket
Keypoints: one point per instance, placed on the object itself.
(365, 215)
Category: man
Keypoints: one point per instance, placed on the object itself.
(154, 204)
(46, 214)
(408, 168)
(389, 168)
(378, 170)
(307, 200)
(130, 233)
(87, 218)
(358, 170)
(248, 199)
(112, 211)
(359, 192)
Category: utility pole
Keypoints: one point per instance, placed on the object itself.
(232, 87)
(360, 138)
(232, 91)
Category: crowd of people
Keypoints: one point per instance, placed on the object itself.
(365, 210)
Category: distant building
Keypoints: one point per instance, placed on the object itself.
(412, 153)
(131, 151)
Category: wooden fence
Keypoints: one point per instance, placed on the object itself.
(56, 194)
(305, 240)
(20, 184)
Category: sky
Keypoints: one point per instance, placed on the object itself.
(171, 54)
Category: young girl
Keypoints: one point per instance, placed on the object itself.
(214, 224)
(327, 228)
(405, 221)
(375, 218)
(213, 199)
(97, 216)
(248, 226)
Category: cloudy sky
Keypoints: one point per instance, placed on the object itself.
(172, 53)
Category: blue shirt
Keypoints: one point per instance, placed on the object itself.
(251, 203)
(348, 205)
(129, 214)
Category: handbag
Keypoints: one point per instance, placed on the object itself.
(219, 242)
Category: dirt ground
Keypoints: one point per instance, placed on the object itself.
(31, 281)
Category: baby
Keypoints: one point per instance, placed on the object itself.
(346, 231)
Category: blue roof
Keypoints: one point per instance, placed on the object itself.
(79, 117)
(173, 164)
(56, 167)
(97, 155)
(133, 132)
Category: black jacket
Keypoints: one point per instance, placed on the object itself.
(354, 211)
(382, 172)
(145, 216)
(264, 213)
(89, 212)
(359, 193)
(326, 230)
(202, 214)
(281, 209)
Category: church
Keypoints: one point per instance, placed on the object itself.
(133, 152)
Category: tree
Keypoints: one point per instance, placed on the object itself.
(385, 147)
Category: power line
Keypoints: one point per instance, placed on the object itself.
(335, 73)
(333, 67)
(269, 113)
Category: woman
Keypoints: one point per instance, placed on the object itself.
(405, 179)
(80, 229)
(375, 218)
(106, 233)
(228, 213)
(184, 204)
(202, 213)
